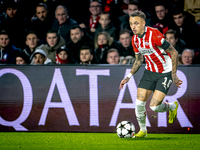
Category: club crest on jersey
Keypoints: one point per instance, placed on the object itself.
(147, 43)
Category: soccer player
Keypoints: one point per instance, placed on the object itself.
(160, 71)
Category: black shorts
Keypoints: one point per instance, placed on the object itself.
(156, 81)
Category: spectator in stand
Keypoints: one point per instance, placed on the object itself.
(176, 42)
(12, 22)
(126, 48)
(8, 51)
(41, 22)
(32, 42)
(102, 43)
(186, 29)
(113, 56)
(22, 59)
(91, 22)
(78, 38)
(187, 56)
(63, 22)
(54, 41)
(62, 56)
(105, 24)
(164, 20)
(124, 20)
(86, 55)
(39, 57)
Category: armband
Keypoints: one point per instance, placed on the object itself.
(130, 75)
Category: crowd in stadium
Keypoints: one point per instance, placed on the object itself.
(51, 36)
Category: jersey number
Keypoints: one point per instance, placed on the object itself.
(165, 84)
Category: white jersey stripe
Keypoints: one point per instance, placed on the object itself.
(143, 40)
(139, 42)
(148, 64)
(150, 36)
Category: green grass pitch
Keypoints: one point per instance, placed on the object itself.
(95, 141)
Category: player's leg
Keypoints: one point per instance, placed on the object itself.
(140, 110)
(145, 89)
(157, 103)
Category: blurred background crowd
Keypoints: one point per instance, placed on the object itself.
(92, 31)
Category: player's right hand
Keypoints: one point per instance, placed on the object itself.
(124, 81)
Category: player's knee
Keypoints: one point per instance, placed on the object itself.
(155, 108)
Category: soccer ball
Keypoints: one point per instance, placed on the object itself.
(125, 129)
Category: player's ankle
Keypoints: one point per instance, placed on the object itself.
(172, 106)
(144, 130)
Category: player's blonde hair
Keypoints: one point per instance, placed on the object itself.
(138, 13)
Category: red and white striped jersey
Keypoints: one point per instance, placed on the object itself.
(150, 46)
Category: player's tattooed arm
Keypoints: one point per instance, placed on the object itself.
(137, 64)
(174, 57)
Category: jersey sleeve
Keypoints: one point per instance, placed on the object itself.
(158, 37)
(134, 47)
(160, 40)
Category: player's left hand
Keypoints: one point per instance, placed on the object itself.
(177, 81)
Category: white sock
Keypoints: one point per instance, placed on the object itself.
(172, 106)
(163, 107)
(140, 112)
